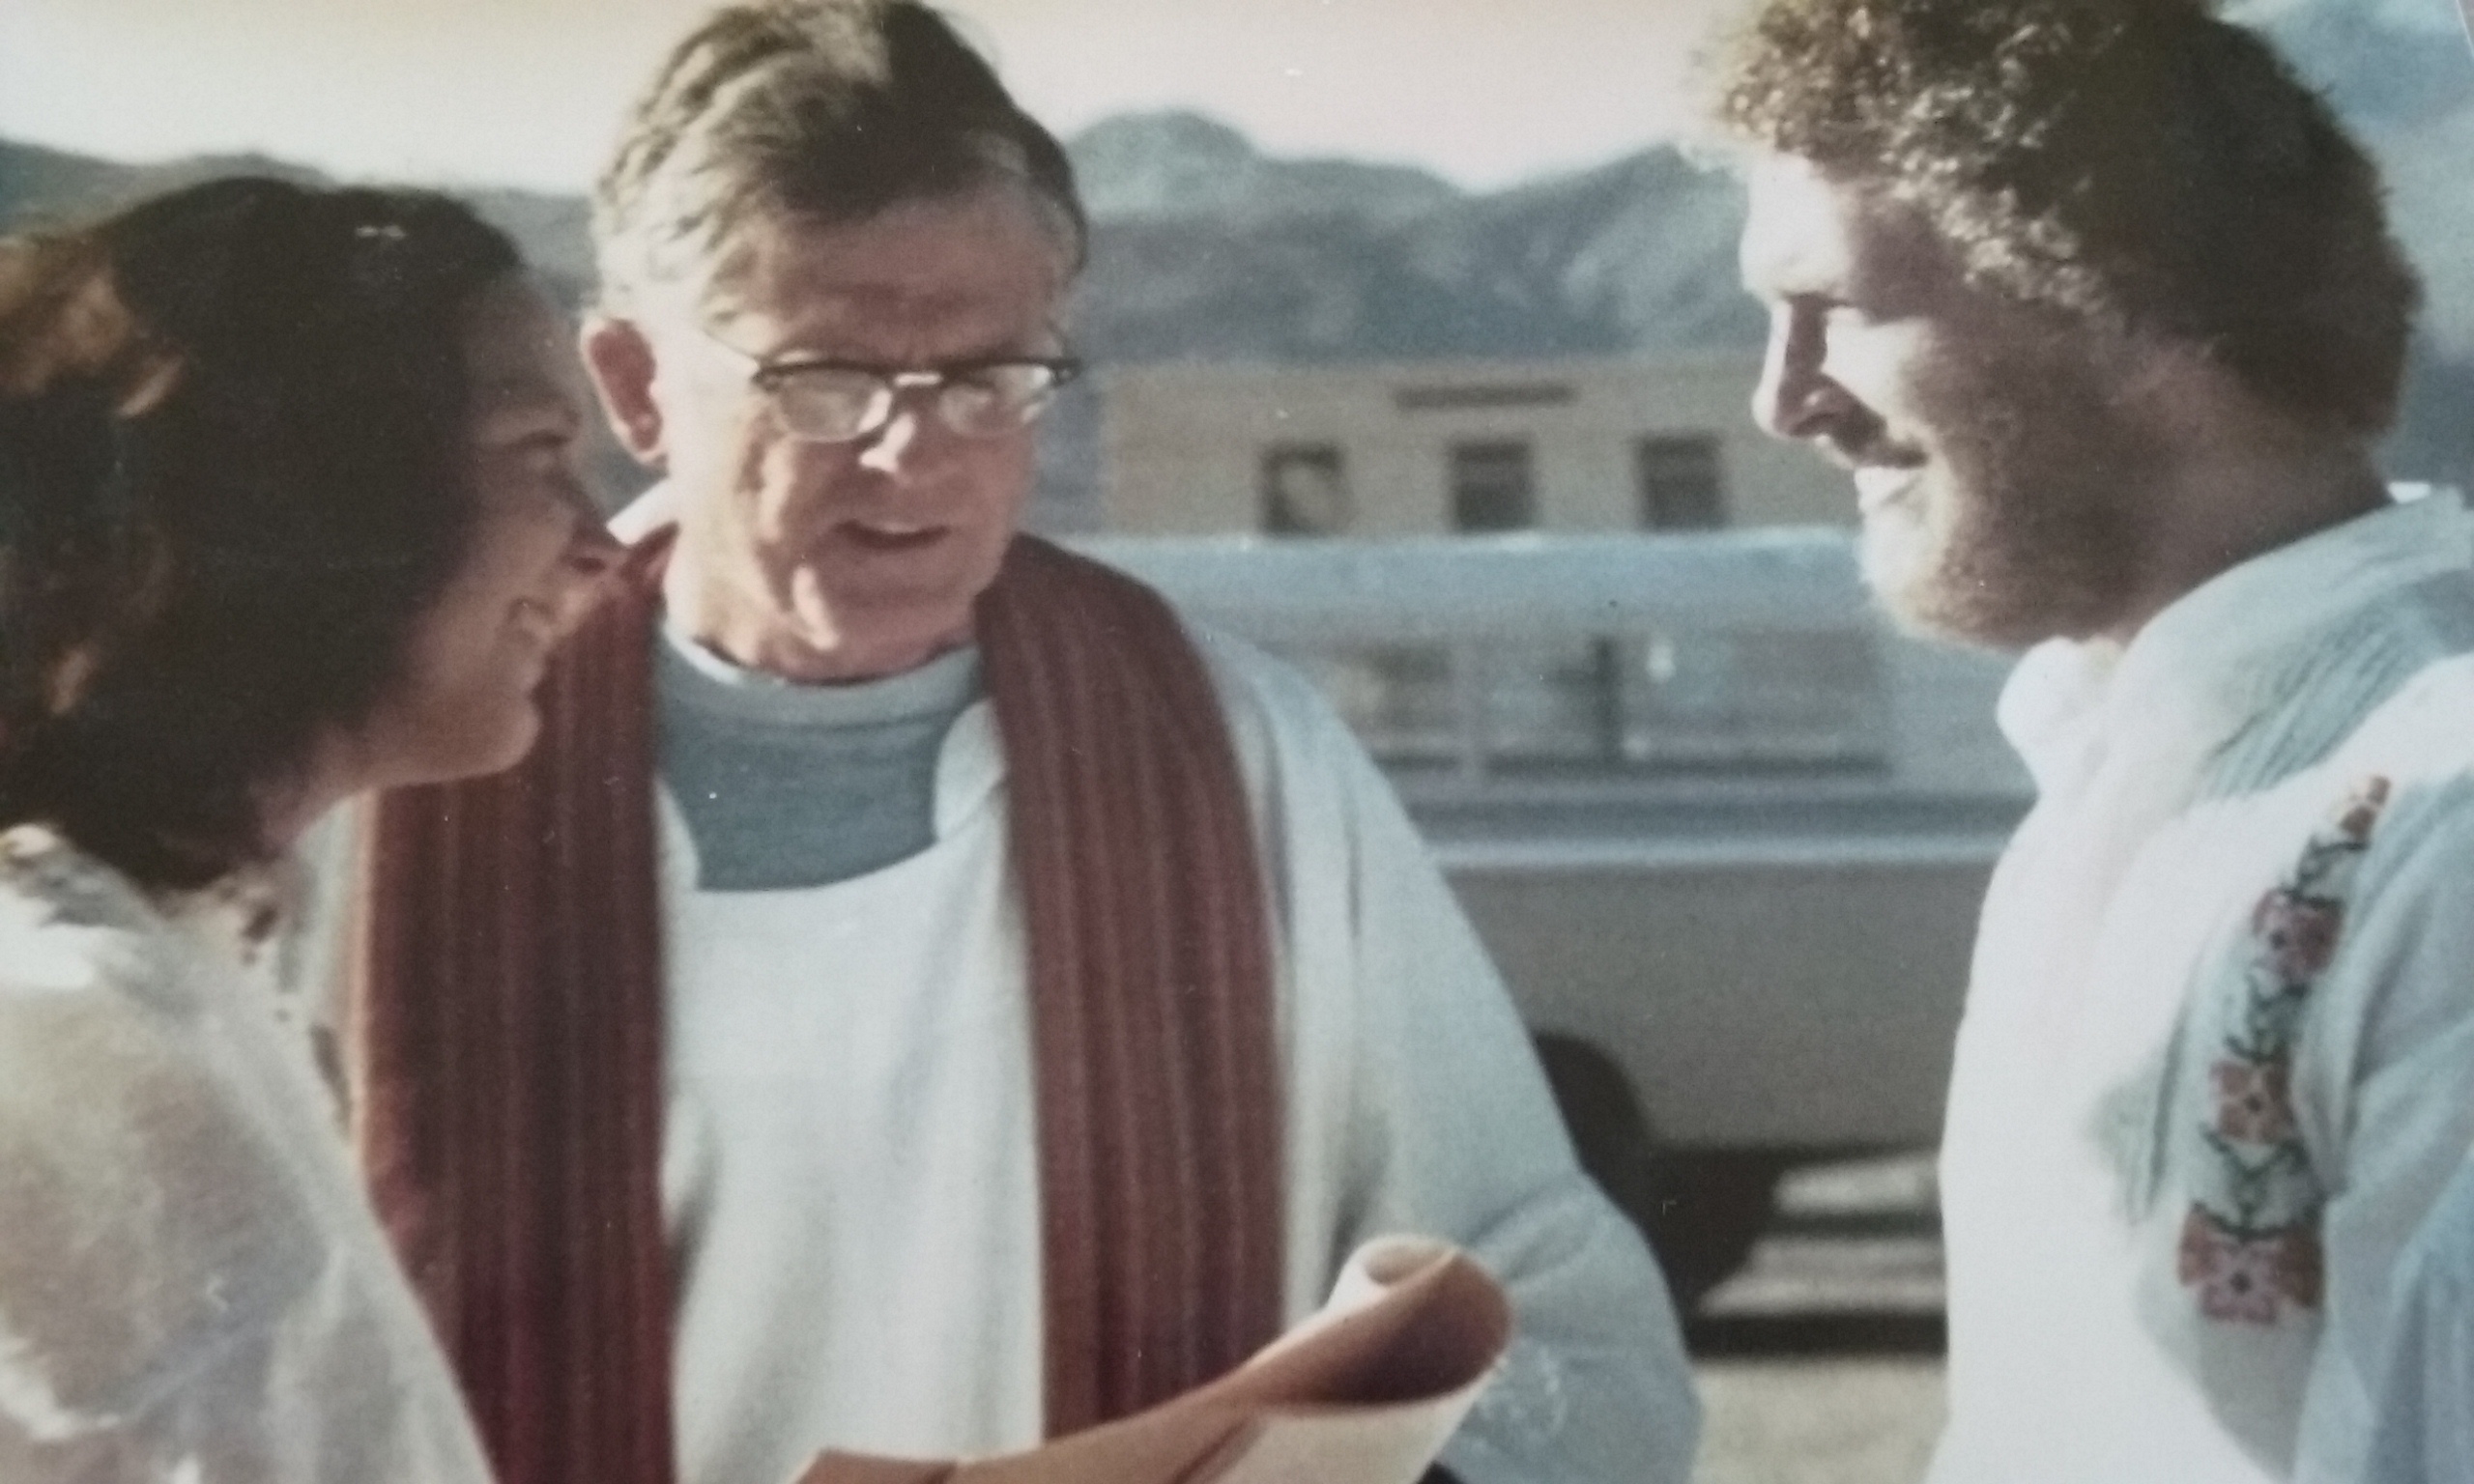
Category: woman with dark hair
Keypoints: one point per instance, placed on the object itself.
(289, 509)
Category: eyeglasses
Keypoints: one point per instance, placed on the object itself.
(826, 401)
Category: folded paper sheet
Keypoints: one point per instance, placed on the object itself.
(1364, 1392)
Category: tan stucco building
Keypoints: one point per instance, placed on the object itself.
(1404, 448)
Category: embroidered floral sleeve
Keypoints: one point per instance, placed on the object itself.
(2251, 1244)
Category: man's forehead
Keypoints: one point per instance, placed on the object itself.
(830, 298)
(984, 254)
(1795, 234)
(1810, 231)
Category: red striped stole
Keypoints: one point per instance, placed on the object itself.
(508, 1010)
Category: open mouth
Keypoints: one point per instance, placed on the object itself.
(891, 535)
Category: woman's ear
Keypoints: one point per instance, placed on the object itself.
(622, 366)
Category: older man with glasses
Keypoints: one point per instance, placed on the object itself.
(925, 996)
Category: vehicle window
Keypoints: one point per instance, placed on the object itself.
(1399, 698)
(1541, 706)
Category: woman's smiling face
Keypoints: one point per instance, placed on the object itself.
(534, 563)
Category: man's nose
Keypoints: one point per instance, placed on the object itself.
(1797, 398)
(891, 448)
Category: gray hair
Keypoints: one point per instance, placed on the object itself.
(823, 110)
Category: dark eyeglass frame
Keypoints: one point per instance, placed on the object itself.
(965, 402)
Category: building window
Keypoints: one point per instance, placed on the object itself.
(1682, 487)
(1491, 489)
(1305, 491)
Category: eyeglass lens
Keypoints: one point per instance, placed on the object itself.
(835, 403)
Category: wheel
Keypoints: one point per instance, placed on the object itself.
(1713, 1207)
(1701, 1210)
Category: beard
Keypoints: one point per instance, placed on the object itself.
(2022, 527)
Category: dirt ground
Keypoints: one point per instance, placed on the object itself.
(1846, 1288)
(1817, 1419)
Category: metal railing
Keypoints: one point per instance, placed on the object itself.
(1544, 657)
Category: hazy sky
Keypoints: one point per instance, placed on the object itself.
(524, 92)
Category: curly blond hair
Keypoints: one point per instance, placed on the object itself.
(2142, 162)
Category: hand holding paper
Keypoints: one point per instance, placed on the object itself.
(1367, 1392)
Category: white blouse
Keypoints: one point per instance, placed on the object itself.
(192, 1287)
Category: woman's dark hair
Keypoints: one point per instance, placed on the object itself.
(231, 479)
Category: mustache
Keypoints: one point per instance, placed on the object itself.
(1858, 438)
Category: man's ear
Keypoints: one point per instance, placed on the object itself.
(622, 366)
(2181, 396)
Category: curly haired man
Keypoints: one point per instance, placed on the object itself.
(2096, 303)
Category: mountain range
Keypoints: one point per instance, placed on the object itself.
(1206, 248)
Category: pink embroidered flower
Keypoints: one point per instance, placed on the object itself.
(2299, 934)
(2362, 809)
(2302, 1267)
(2253, 1102)
(2249, 1280)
